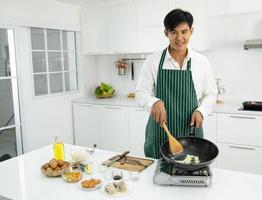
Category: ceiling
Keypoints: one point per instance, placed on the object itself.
(79, 2)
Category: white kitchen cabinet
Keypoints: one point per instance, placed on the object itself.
(150, 27)
(94, 30)
(113, 123)
(223, 7)
(137, 125)
(240, 158)
(239, 129)
(199, 9)
(151, 13)
(151, 39)
(209, 126)
(86, 124)
(106, 126)
(239, 140)
(121, 28)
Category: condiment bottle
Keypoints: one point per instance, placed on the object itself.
(58, 149)
(89, 167)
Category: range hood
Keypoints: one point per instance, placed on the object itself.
(253, 44)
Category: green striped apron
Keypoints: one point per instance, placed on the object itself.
(176, 89)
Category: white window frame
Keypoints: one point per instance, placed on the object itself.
(14, 82)
(62, 51)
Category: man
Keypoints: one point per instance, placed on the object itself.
(176, 85)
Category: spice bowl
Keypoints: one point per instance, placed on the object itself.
(72, 175)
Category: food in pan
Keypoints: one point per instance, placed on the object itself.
(116, 187)
(189, 159)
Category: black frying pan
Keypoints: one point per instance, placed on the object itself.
(206, 150)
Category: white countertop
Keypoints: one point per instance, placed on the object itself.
(21, 179)
(229, 106)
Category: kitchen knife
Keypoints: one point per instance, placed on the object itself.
(132, 71)
(116, 158)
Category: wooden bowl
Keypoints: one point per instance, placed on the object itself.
(105, 96)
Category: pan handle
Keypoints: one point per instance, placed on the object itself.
(192, 131)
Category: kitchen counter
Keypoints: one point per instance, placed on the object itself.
(114, 101)
(229, 106)
(21, 179)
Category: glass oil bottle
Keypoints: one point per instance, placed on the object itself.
(58, 148)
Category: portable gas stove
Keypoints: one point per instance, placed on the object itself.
(167, 174)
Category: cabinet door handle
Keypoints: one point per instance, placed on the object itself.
(242, 147)
(85, 105)
(115, 108)
(242, 117)
(140, 110)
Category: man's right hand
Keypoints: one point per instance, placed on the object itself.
(158, 112)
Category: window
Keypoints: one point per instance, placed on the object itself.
(54, 61)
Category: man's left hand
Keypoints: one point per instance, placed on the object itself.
(196, 119)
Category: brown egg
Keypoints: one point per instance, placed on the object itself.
(60, 163)
(64, 166)
(53, 163)
(57, 169)
(49, 170)
(45, 166)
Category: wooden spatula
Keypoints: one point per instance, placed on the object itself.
(174, 145)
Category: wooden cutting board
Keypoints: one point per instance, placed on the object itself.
(130, 163)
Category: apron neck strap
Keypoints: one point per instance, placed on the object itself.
(188, 66)
(162, 58)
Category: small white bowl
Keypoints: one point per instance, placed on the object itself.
(78, 155)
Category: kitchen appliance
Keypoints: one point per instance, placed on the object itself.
(167, 174)
(252, 105)
(206, 150)
(253, 44)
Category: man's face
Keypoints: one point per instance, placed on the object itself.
(179, 37)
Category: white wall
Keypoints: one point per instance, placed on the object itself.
(240, 70)
(42, 118)
(39, 13)
(105, 71)
(220, 7)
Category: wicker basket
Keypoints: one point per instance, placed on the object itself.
(104, 96)
(54, 173)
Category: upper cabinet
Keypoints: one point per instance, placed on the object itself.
(122, 28)
(108, 29)
(223, 7)
(199, 9)
(137, 26)
(94, 30)
(150, 27)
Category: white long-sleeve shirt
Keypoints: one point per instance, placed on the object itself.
(202, 75)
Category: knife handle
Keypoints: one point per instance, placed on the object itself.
(123, 154)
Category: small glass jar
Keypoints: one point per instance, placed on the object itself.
(117, 175)
(88, 169)
(135, 176)
(121, 71)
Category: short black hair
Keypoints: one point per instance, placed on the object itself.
(176, 17)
